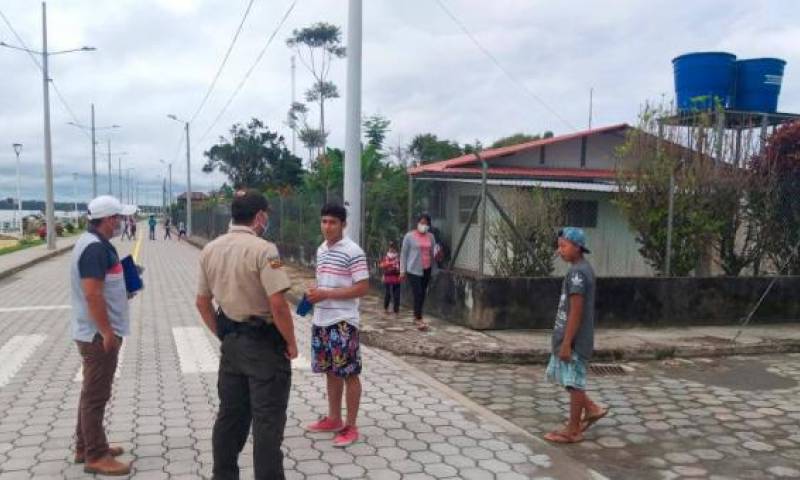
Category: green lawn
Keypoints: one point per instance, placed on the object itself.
(27, 243)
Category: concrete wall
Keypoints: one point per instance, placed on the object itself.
(530, 303)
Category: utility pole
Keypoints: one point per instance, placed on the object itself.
(17, 151)
(188, 176)
(94, 160)
(294, 127)
(109, 166)
(352, 156)
(75, 192)
(119, 178)
(48, 150)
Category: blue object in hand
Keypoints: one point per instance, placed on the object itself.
(304, 307)
(133, 282)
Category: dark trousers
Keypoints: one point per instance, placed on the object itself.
(98, 375)
(391, 295)
(152, 233)
(167, 234)
(419, 287)
(253, 386)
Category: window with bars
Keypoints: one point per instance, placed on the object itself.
(465, 204)
(581, 213)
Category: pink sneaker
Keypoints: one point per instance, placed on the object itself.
(325, 424)
(347, 437)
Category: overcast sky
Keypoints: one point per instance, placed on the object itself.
(156, 57)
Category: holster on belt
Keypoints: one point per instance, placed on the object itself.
(254, 326)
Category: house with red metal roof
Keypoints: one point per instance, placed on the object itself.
(582, 166)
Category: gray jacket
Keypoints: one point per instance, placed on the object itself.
(411, 255)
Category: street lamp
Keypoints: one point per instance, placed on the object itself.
(188, 176)
(75, 192)
(48, 149)
(93, 129)
(17, 151)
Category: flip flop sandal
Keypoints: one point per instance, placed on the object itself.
(563, 437)
(591, 420)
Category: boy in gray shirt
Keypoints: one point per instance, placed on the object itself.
(573, 337)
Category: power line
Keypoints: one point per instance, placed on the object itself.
(249, 72)
(35, 60)
(224, 61)
(501, 67)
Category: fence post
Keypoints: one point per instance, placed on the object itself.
(482, 241)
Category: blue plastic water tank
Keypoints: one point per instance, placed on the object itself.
(702, 78)
(758, 84)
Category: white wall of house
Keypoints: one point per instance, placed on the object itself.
(613, 243)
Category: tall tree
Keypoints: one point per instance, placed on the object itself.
(317, 46)
(427, 148)
(256, 157)
(375, 129)
(518, 138)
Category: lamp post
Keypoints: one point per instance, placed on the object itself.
(75, 192)
(92, 128)
(48, 150)
(17, 151)
(188, 176)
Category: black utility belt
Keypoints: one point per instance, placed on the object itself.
(254, 326)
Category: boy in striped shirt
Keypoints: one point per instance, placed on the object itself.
(342, 277)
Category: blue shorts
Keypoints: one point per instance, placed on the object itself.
(335, 349)
(570, 374)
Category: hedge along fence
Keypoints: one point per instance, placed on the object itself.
(530, 303)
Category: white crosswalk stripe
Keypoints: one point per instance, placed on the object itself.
(15, 353)
(195, 352)
(33, 308)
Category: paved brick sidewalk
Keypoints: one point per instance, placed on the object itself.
(447, 341)
(14, 262)
(164, 398)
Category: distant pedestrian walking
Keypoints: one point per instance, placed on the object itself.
(416, 263)
(573, 338)
(167, 229)
(181, 231)
(342, 277)
(132, 227)
(390, 265)
(124, 222)
(151, 222)
(100, 321)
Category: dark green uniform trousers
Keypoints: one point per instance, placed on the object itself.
(253, 385)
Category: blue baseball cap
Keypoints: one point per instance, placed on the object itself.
(575, 235)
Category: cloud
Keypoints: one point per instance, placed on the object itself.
(157, 57)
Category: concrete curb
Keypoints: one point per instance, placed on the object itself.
(47, 256)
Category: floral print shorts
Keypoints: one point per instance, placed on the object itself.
(335, 349)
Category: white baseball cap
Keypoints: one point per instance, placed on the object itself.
(106, 206)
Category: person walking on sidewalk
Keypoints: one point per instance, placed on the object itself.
(573, 337)
(132, 227)
(167, 229)
(151, 222)
(342, 277)
(99, 323)
(244, 274)
(181, 231)
(125, 226)
(416, 261)
(390, 265)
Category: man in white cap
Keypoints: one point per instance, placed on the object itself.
(100, 321)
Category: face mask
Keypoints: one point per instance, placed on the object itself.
(264, 227)
(422, 228)
(391, 254)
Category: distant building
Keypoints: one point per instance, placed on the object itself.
(197, 197)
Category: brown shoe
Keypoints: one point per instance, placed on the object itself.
(107, 465)
(113, 451)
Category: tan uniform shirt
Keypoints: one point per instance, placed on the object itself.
(240, 271)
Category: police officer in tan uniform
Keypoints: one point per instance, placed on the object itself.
(242, 272)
